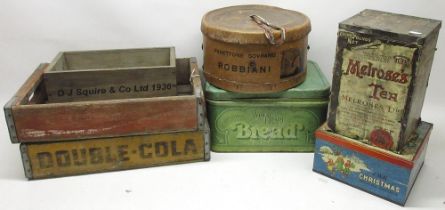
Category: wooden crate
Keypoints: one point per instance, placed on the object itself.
(47, 160)
(377, 171)
(383, 62)
(111, 74)
(31, 118)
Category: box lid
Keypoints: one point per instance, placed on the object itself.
(315, 86)
(396, 26)
(235, 24)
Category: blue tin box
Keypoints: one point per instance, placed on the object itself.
(377, 171)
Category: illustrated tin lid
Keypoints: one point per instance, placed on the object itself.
(316, 86)
(404, 27)
(235, 25)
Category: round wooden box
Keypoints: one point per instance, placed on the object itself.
(255, 48)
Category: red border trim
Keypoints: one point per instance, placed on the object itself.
(338, 140)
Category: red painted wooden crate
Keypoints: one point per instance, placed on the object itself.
(31, 119)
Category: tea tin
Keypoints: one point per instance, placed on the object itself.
(383, 62)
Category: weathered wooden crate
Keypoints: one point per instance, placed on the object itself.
(111, 74)
(274, 122)
(47, 160)
(383, 62)
(31, 118)
(375, 170)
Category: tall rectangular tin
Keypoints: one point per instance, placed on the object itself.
(57, 159)
(377, 171)
(31, 118)
(383, 62)
(278, 122)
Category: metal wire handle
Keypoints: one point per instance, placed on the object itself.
(267, 30)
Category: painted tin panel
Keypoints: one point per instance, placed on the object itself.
(380, 76)
(273, 124)
(374, 170)
(265, 126)
(46, 160)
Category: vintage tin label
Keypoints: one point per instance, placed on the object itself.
(255, 61)
(374, 86)
(109, 154)
(265, 128)
(254, 68)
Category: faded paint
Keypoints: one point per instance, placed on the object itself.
(374, 88)
(47, 160)
(39, 121)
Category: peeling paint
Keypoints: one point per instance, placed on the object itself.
(34, 133)
(41, 133)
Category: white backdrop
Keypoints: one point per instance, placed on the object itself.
(32, 32)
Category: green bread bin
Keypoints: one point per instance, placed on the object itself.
(273, 122)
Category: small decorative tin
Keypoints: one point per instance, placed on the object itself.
(383, 62)
(47, 160)
(111, 74)
(30, 118)
(255, 48)
(275, 122)
(377, 171)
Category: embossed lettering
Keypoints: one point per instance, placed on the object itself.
(244, 131)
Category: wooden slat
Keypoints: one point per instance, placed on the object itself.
(50, 122)
(110, 154)
(22, 96)
(27, 89)
(196, 81)
(111, 74)
(110, 84)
